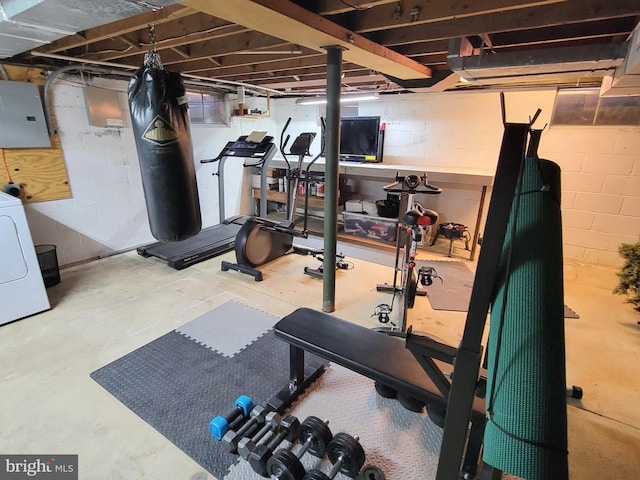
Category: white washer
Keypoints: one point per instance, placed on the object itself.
(22, 291)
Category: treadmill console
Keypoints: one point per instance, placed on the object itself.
(246, 148)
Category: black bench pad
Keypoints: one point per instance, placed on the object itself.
(373, 354)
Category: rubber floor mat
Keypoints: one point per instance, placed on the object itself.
(453, 292)
(177, 385)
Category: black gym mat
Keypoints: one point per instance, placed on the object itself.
(177, 386)
(453, 293)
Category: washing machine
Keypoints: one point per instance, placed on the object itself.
(22, 290)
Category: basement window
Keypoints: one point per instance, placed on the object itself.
(207, 108)
(585, 106)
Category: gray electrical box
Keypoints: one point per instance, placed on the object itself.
(22, 123)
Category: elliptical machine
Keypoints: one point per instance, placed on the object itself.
(261, 240)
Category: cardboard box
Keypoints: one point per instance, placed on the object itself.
(361, 206)
(370, 226)
(255, 181)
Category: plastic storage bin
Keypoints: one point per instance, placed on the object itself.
(48, 261)
(370, 226)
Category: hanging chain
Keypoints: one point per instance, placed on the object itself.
(152, 57)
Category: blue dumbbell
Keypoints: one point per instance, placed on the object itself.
(220, 425)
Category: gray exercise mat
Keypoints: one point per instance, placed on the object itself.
(453, 293)
(229, 328)
(178, 385)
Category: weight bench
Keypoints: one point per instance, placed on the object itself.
(383, 358)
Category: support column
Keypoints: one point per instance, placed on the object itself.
(332, 151)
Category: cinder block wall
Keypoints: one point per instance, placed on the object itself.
(601, 167)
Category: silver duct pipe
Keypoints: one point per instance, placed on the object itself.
(104, 70)
(263, 91)
(3, 73)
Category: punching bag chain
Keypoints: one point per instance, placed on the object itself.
(152, 57)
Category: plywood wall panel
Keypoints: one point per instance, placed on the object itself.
(41, 172)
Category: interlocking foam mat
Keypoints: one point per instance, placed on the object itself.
(178, 383)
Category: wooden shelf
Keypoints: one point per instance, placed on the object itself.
(281, 197)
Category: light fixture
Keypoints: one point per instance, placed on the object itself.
(343, 99)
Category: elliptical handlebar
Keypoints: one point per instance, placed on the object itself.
(284, 141)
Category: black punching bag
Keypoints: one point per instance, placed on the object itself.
(160, 120)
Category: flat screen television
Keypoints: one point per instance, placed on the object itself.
(361, 139)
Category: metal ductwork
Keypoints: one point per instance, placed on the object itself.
(626, 78)
(571, 65)
(28, 24)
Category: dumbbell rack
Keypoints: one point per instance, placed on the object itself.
(266, 441)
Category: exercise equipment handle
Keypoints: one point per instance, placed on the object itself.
(212, 160)
(397, 187)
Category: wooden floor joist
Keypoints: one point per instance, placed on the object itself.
(286, 20)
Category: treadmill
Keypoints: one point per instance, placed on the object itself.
(257, 150)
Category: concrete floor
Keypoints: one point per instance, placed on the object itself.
(104, 309)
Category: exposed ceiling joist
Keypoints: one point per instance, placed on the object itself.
(113, 30)
(291, 22)
(420, 12)
(571, 11)
(333, 7)
(280, 41)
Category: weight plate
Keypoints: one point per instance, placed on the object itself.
(348, 449)
(385, 391)
(371, 472)
(316, 475)
(319, 432)
(437, 415)
(284, 465)
(410, 403)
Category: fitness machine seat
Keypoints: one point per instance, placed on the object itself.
(381, 357)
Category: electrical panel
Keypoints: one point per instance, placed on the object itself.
(22, 122)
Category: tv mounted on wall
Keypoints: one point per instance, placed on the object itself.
(361, 139)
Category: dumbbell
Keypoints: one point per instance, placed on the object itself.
(371, 472)
(246, 445)
(287, 430)
(347, 456)
(232, 437)
(221, 424)
(314, 436)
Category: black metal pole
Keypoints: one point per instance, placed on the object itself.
(334, 74)
(468, 357)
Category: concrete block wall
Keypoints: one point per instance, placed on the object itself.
(601, 189)
(107, 211)
(600, 165)
(457, 130)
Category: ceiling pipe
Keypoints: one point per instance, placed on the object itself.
(3, 72)
(56, 73)
(255, 88)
